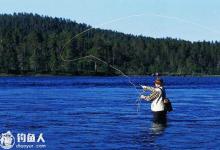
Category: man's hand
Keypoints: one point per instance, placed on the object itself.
(143, 97)
(143, 86)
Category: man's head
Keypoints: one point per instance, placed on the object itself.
(158, 82)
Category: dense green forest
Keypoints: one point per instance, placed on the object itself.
(32, 44)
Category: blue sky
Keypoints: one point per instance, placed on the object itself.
(186, 19)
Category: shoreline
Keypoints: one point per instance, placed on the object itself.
(101, 75)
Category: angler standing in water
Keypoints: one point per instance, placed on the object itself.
(158, 101)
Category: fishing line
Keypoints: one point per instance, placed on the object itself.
(138, 101)
(144, 14)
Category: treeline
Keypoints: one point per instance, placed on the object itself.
(32, 44)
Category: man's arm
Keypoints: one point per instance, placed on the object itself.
(149, 88)
(155, 94)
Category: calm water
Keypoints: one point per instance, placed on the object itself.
(101, 113)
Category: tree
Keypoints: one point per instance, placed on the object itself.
(35, 44)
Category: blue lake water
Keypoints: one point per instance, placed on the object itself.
(101, 112)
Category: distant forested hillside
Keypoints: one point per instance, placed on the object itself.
(30, 43)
